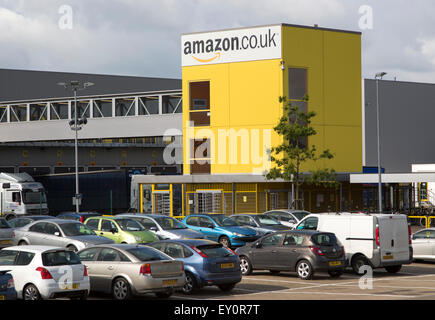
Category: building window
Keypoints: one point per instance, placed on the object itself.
(200, 158)
(18, 113)
(298, 93)
(148, 105)
(83, 109)
(172, 104)
(199, 101)
(38, 112)
(58, 110)
(3, 113)
(102, 108)
(124, 107)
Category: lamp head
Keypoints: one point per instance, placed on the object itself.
(380, 75)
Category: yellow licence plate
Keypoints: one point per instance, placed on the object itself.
(227, 265)
(335, 263)
(388, 257)
(5, 241)
(169, 282)
(74, 286)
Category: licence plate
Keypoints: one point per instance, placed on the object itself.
(388, 257)
(169, 282)
(5, 241)
(335, 263)
(227, 265)
(74, 286)
(2, 297)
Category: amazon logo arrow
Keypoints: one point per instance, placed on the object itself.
(217, 56)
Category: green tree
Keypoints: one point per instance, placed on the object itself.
(295, 129)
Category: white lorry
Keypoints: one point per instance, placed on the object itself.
(376, 240)
(21, 195)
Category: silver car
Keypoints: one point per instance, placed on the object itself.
(287, 217)
(423, 244)
(165, 227)
(69, 234)
(129, 269)
(5, 233)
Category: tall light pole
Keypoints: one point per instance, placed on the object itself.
(378, 76)
(76, 125)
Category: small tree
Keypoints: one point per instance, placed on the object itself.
(295, 128)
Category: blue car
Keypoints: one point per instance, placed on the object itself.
(221, 228)
(206, 263)
(7, 287)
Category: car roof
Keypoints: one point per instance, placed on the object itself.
(146, 215)
(59, 221)
(189, 242)
(35, 216)
(34, 248)
(80, 213)
(121, 246)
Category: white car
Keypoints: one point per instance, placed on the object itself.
(288, 217)
(45, 272)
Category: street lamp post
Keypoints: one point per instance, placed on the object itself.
(377, 76)
(76, 125)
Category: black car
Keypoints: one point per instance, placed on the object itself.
(304, 252)
(262, 223)
(24, 221)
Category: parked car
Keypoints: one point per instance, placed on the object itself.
(221, 228)
(305, 252)
(5, 233)
(423, 244)
(67, 234)
(7, 286)
(81, 216)
(263, 224)
(375, 240)
(125, 270)
(24, 221)
(206, 263)
(121, 229)
(45, 272)
(164, 227)
(288, 217)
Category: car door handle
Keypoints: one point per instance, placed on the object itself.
(110, 267)
(273, 251)
(294, 250)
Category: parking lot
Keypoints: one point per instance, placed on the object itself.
(415, 281)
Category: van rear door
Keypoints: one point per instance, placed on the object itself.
(393, 238)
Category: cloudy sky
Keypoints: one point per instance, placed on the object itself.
(142, 37)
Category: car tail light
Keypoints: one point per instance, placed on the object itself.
(202, 254)
(410, 234)
(317, 251)
(344, 251)
(182, 266)
(82, 219)
(11, 283)
(145, 269)
(13, 234)
(378, 243)
(231, 251)
(85, 271)
(45, 274)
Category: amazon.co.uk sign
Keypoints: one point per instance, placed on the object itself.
(237, 45)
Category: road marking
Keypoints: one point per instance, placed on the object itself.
(358, 294)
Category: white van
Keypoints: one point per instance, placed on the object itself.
(377, 240)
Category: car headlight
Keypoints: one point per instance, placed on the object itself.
(138, 239)
(238, 234)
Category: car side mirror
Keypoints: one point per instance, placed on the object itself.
(153, 229)
(211, 226)
(258, 245)
(413, 237)
(114, 230)
(57, 234)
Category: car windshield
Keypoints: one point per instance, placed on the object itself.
(300, 214)
(215, 251)
(33, 197)
(76, 229)
(325, 239)
(267, 220)
(129, 225)
(60, 258)
(4, 224)
(168, 223)
(148, 254)
(224, 221)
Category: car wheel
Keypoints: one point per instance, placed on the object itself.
(225, 241)
(335, 274)
(121, 289)
(72, 248)
(393, 269)
(304, 270)
(190, 285)
(274, 271)
(358, 262)
(163, 295)
(30, 292)
(245, 266)
(226, 287)
(22, 243)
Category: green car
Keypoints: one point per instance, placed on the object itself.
(120, 229)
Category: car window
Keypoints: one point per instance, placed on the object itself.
(92, 224)
(309, 224)
(187, 253)
(300, 214)
(51, 229)
(215, 251)
(425, 234)
(287, 217)
(174, 250)
(60, 258)
(107, 225)
(272, 240)
(223, 220)
(147, 223)
(205, 222)
(7, 257)
(129, 225)
(108, 254)
(268, 221)
(18, 223)
(88, 254)
(157, 246)
(38, 227)
(293, 240)
(24, 258)
(324, 239)
(148, 254)
(168, 223)
(74, 229)
(193, 221)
